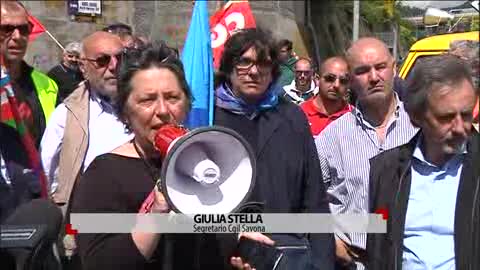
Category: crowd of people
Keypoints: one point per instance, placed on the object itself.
(345, 136)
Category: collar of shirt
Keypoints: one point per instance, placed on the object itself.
(357, 111)
(292, 91)
(104, 105)
(313, 89)
(452, 163)
(310, 109)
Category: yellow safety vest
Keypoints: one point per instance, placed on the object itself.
(46, 90)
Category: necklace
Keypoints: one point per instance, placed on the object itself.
(152, 170)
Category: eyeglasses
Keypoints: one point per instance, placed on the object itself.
(304, 72)
(104, 60)
(331, 78)
(24, 29)
(245, 64)
(74, 56)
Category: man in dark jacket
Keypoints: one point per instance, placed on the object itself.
(288, 176)
(430, 186)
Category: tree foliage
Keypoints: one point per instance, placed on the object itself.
(333, 22)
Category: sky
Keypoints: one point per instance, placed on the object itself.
(436, 4)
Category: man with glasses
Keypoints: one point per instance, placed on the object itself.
(84, 126)
(67, 74)
(302, 87)
(36, 92)
(377, 123)
(330, 103)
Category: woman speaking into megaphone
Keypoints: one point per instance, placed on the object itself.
(152, 92)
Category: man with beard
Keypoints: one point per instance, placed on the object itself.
(330, 103)
(303, 87)
(377, 123)
(36, 93)
(67, 74)
(431, 185)
(85, 124)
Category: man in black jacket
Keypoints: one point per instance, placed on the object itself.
(430, 186)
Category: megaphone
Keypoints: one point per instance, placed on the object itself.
(434, 16)
(208, 170)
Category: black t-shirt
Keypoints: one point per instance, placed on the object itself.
(119, 184)
(67, 80)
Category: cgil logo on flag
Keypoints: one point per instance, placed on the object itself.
(226, 223)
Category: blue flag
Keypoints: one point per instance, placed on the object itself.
(198, 63)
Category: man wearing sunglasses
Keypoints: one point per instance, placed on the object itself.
(67, 74)
(84, 126)
(302, 87)
(36, 93)
(377, 123)
(330, 103)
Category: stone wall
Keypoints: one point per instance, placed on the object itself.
(167, 20)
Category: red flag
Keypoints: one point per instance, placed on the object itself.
(233, 16)
(37, 28)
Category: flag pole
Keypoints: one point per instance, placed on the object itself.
(54, 39)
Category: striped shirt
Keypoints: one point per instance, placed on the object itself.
(344, 150)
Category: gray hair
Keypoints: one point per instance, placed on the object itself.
(435, 70)
(73, 47)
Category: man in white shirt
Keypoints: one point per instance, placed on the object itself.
(303, 86)
(85, 125)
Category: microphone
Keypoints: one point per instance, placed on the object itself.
(29, 233)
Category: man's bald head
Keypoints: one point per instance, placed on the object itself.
(303, 74)
(333, 61)
(302, 62)
(99, 61)
(12, 7)
(362, 45)
(96, 40)
(372, 69)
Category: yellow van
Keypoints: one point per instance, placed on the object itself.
(432, 46)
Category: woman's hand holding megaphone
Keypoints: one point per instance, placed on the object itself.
(155, 203)
(159, 205)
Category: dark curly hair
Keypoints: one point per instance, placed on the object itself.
(263, 43)
(158, 55)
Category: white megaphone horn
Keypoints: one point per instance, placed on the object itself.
(206, 170)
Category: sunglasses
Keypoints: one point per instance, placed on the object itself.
(24, 29)
(331, 78)
(104, 60)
